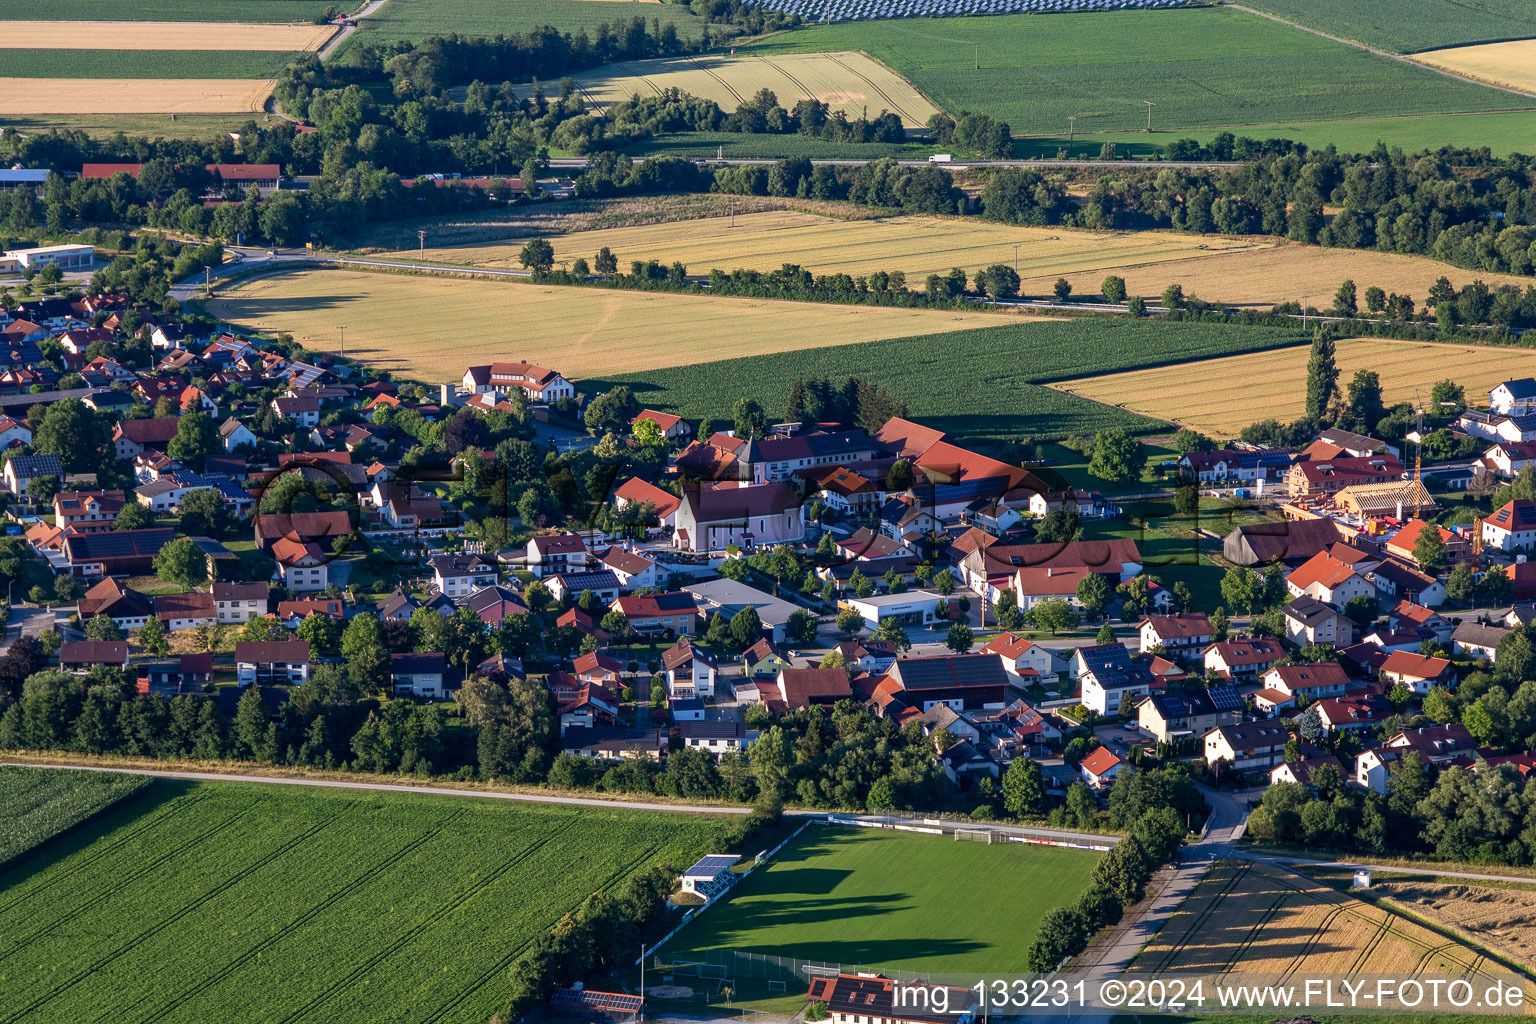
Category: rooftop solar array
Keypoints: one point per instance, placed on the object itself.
(587, 999)
(871, 10)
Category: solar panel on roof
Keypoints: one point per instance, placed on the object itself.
(587, 999)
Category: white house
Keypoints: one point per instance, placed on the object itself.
(421, 675)
(266, 662)
(1328, 579)
(238, 603)
(1024, 660)
(1099, 768)
(691, 670)
(1512, 527)
(458, 576)
(1107, 675)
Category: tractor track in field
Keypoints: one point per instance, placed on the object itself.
(158, 925)
(358, 883)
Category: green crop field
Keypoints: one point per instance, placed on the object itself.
(415, 20)
(983, 385)
(41, 804)
(144, 63)
(269, 11)
(864, 898)
(1410, 25)
(200, 903)
(1203, 67)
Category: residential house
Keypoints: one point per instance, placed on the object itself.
(87, 511)
(715, 738)
(1174, 715)
(673, 428)
(634, 570)
(303, 567)
(590, 706)
(1429, 623)
(1402, 543)
(961, 681)
(1434, 745)
(1513, 397)
(118, 602)
(1246, 746)
(1327, 579)
(178, 612)
(763, 659)
(1312, 680)
(80, 656)
(691, 670)
(1310, 621)
(269, 662)
(1396, 580)
(239, 603)
(1180, 636)
(1313, 480)
(1477, 641)
(1242, 661)
(1415, 671)
(617, 743)
(1100, 768)
(421, 675)
(664, 503)
(659, 613)
(1354, 712)
(1303, 771)
(170, 677)
(1108, 678)
(135, 437)
(21, 470)
(1024, 660)
(601, 584)
(304, 411)
(1512, 527)
(236, 436)
(293, 613)
(460, 575)
(799, 688)
(556, 553)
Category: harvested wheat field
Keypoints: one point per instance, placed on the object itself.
(431, 328)
(848, 81)
(1261, 919)
(915, 245)
(1266, 274)
(1511, 63)
(1221, 396)
(133, 95)
(1503, 920)
(161, 35)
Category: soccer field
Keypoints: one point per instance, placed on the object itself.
(874, 899)
(205, 903)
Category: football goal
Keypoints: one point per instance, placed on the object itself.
(975, 835)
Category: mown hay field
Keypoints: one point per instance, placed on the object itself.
(265, 11)
(206, 903)
(1248, 270)
(848, 81)
(1221, 396)
(1261, 275)
(915, 245)
(1511, 63)
(161, 35)
(1261, 919)
(1100, 66)
(133, 95)
(1503, 920)
(432, 328)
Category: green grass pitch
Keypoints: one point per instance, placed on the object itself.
(206, 903)
(897, 901)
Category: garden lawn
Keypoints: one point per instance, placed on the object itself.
(1202, 66)
(204, 903)
(875, 899)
